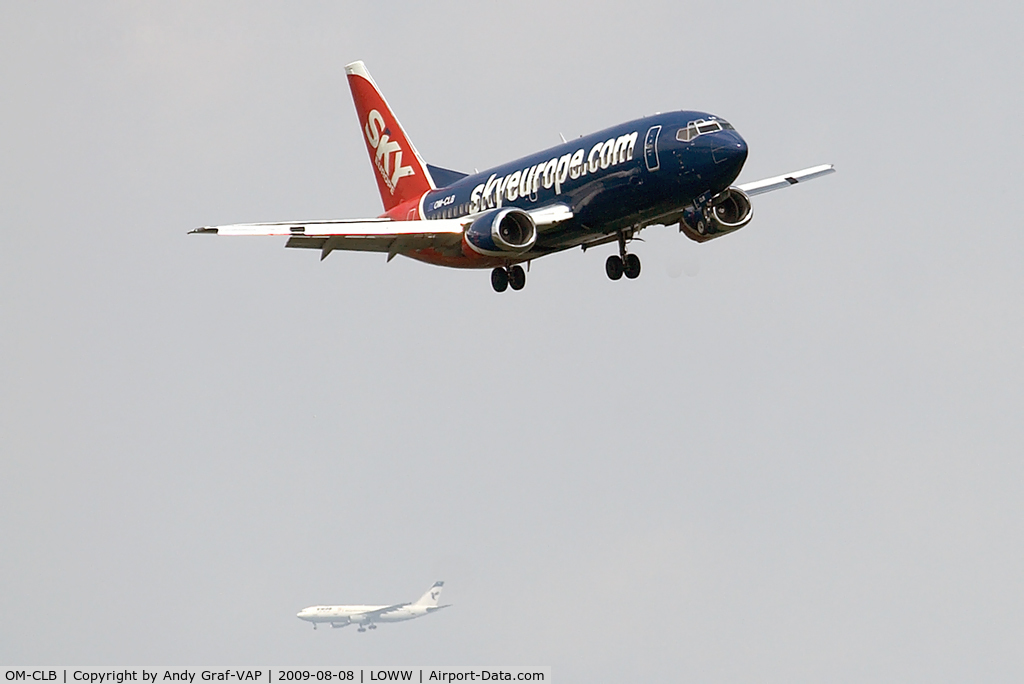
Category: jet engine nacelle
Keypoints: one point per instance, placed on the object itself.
(727, 211)
(501, 232)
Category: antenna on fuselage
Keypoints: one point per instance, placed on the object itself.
(562, 137)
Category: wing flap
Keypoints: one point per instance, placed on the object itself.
(778, 182)
(353, 244)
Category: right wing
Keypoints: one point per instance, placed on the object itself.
(778, 182)
(381, 611)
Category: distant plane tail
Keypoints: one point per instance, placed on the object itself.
(401, 173)
(430, 598)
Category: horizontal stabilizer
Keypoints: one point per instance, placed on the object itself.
(444, 177)
(778, 182)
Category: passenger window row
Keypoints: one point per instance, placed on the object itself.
(453, 212)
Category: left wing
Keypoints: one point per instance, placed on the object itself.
(778, 182)
(379, 234)
(360, 235)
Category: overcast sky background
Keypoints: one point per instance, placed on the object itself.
(792, 454)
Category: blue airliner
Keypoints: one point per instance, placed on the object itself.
(672, 168)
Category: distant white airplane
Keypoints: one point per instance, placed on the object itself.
(367, 616)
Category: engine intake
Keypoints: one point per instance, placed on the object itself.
(727, 211)
(502, 232)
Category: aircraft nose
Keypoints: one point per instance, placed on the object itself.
(729, 154)
(731, 148)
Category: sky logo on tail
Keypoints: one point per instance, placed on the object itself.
(388, 152)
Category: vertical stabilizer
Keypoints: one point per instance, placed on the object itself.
(401, 173)
(430, 598)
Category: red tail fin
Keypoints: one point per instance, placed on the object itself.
(401, 173)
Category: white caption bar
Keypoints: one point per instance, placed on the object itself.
(269, 675)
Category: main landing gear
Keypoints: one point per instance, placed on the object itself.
(622, 263)
(501, 278)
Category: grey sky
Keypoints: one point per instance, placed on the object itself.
(792, 454)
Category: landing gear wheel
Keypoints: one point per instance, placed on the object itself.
(614, 267)
(499, 279)
(517, 277)
(632, 266)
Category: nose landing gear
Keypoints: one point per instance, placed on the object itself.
(623, 263)
(502, 278)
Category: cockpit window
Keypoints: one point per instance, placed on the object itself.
(700, 127)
